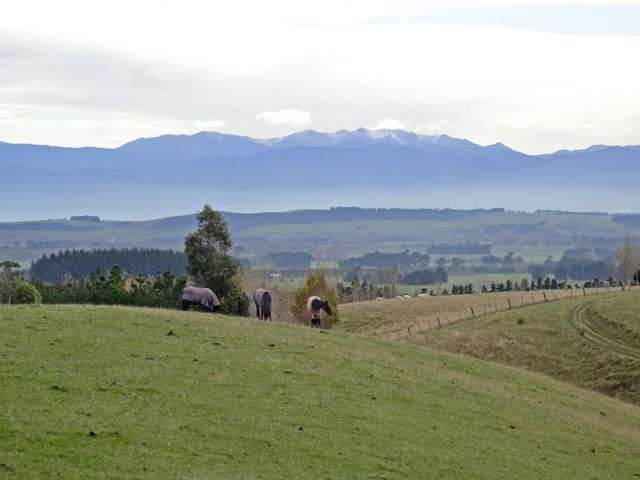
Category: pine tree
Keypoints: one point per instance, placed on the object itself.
(210, 264)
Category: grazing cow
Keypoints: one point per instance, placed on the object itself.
(202, 297)
(262, 299)
(314, 307)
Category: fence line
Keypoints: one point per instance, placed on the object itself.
(440, 320)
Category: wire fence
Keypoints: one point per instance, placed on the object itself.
(513, 301)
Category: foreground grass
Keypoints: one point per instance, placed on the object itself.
(567, 339)
(106, 392)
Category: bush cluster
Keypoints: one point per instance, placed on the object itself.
(117, 289)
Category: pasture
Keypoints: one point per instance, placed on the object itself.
(114, 392)
(393, 316)
(591, 342)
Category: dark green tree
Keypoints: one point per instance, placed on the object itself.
(25, 292)
(211, 265)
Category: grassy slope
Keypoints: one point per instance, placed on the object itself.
(554, 339)
(371, 316)
(625, 314)
(226, 398)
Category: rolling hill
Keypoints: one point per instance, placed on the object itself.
(336, 232)
(590, 341)
(174, 173)
(114, 392)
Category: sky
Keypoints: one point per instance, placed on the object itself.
(536, 75)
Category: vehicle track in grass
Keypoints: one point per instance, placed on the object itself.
(595, 333)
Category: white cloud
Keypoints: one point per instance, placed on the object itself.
(289, 117)
(439, 127)
(67, 79)
(389, 124)
(209, 125)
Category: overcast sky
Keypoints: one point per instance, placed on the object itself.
(535, 75)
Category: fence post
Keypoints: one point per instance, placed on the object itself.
(439, 324)
(509, 300)
(473, 313)
(495, 304)
(584, 292)
(409, 329)
(544, 294)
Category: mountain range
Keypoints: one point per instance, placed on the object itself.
(173, 173)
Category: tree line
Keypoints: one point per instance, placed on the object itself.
(404, 260)
(80, 264)
(115, 288)
(75, 276)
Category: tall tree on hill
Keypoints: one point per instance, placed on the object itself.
(627, 260)
(209, 262)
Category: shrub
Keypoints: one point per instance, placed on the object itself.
(26, 293)
(315, 284)
(235, 301)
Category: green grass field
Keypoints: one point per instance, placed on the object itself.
(376, 317)
(108, 392)
(592, 342)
